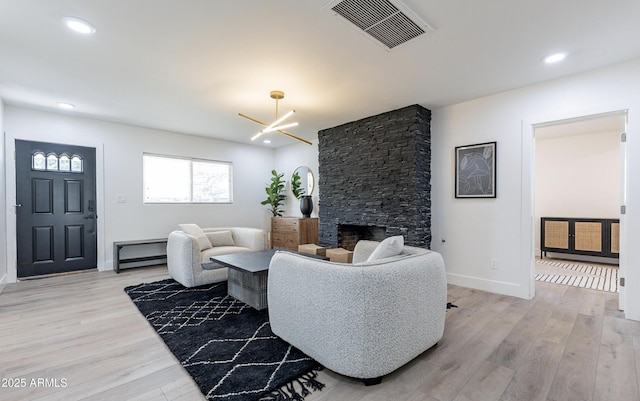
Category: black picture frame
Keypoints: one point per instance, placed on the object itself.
(475, 175)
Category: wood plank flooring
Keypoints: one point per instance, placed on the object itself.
(79, 337)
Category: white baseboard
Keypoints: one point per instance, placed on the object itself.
(106, 267)
(497, 287)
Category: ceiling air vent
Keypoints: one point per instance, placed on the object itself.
(389, 23)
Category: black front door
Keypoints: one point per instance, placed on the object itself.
(56, 216)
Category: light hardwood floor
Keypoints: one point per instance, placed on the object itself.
(82, 333)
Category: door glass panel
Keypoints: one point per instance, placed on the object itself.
(76, 164)
(52, 162)
(38, 161)
(65, 163)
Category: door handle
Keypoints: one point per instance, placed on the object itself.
(94, 217)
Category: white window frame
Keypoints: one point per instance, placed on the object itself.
(189, 177)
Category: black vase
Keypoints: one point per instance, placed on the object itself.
(306, 205)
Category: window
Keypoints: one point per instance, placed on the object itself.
(38, 161)
(65, 163)
(52, 162)
(168, 179)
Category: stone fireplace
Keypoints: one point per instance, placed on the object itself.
(374, 179)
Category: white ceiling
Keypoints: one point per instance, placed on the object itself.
(191, 66)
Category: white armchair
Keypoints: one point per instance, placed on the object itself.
(187, 252)
(362, 320)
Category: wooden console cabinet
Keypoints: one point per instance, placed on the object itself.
(592, 237)
(289, 232)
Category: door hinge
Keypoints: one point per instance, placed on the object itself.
(623, 137)
(621, 281)
(623, 209)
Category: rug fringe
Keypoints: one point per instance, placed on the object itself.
(289, 392)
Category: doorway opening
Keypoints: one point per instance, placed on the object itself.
(578, 190)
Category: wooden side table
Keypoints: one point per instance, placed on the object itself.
(312, 249)
(289, 232)
(340, 255)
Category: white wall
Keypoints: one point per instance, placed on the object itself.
(288, 159)
(119, 158)
(478, 230)
(3, 217)
(577, 176)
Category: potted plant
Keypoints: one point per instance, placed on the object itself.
(296, 185)
(275, 194)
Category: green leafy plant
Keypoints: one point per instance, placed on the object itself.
(275, 194)
(296, 185)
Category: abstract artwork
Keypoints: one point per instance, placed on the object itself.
(476, 171)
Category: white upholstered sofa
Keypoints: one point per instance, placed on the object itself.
(363, 320)
(189, 247)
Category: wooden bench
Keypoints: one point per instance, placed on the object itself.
(156, 258)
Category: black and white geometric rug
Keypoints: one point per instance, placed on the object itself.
(582, 275)
(227, 347)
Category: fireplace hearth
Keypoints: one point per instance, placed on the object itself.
(376, 172)
(349, 235)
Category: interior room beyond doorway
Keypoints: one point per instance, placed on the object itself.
(578, 175)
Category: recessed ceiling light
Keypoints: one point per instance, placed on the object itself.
(554, 58)
(79, 25)
(66, 106)
(267, 141)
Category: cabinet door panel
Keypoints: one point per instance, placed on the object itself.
(556, 234)
(615, 238)
(588, 236)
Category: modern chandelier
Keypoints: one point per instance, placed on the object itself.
(277, 125)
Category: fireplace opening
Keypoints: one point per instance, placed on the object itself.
(349, 235)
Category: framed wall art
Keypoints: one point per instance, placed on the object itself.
(476, 171)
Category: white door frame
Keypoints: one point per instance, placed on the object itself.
(528, 196)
